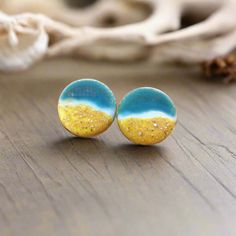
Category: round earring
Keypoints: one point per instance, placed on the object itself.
(146, 116)
(86, 107)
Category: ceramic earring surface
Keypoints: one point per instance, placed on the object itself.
(146, 116)
(86, 107)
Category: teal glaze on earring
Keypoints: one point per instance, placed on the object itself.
(146, 116)
(86, 107)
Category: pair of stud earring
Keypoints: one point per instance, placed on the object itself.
(88, 107)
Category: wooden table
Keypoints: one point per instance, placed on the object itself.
(54, 184)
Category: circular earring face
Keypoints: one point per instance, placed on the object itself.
(86, 107)
(146, 116)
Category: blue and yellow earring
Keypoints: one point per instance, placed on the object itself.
(86, 107)
(146, 116)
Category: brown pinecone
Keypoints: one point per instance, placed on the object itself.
(223, 68)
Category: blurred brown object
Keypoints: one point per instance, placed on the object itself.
(79, 3)
(223, 68)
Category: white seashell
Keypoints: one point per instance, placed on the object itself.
(22, 43)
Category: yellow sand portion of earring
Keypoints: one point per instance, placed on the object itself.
(83, 120)
(146, 131)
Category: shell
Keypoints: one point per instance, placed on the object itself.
(23, 41)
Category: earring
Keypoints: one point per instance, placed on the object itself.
(86, 107)
(146, 116)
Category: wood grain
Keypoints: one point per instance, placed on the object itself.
(54, 184)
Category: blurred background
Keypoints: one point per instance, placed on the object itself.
(186, 31)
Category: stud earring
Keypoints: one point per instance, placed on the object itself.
(146, 116)
(86, 107)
